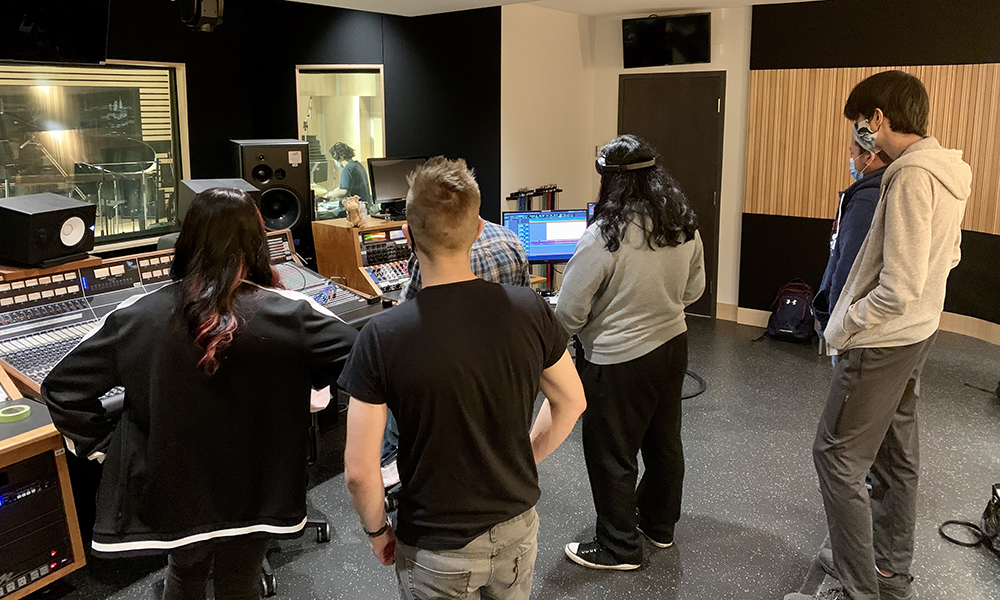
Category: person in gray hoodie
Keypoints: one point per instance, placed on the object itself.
(883, 326)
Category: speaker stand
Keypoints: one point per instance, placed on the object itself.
(55, 262)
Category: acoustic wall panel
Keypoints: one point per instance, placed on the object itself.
(798, 138)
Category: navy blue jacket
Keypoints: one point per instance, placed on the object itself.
(854, 219)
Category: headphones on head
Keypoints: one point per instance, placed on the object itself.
(603, 167)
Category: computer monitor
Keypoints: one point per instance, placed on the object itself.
(548, 235)
(590, 212)
(388, 177)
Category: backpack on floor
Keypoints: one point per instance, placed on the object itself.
(792, 318)
(987, 533)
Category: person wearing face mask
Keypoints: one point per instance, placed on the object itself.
(353, 178)
(883, 326)
(854, 218)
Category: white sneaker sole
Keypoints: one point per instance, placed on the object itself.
(654, 542)
(571, 549)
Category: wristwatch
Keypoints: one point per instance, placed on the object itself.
(381, 530)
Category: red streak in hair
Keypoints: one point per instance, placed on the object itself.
(207, 334)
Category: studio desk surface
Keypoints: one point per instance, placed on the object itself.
(43, 316)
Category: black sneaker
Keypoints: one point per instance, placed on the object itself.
(658, 542)
(897, 587)
(595, 556)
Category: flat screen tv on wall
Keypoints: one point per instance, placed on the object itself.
(675, 40)
(54, 31)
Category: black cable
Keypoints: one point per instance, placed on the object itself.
(973, 529)
(976, 387)
(702, 386)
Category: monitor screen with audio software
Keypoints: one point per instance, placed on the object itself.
(548, 235)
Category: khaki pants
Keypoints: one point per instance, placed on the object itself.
(498, 565)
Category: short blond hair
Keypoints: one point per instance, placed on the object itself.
(442, 206)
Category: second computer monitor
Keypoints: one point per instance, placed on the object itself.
(388, 177)
(548, 235)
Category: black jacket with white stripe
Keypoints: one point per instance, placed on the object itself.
(196, 457)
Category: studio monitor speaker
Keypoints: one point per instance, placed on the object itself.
(192, 187)
(280, 170)
(45, 229)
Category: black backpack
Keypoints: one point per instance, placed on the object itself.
(987, 532)
(792, 318)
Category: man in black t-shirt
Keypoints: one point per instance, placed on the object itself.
(459, 366)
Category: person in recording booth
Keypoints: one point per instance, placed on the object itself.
(854, 218)
(207, 459)
(635, 269)
(353, 177)
(460, 366)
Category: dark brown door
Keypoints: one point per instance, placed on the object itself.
(681, 114)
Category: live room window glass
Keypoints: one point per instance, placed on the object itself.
(105, 134)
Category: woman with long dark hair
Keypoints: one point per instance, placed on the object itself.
(636, 268)
(207, 460)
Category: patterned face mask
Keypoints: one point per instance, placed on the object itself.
(864, 135)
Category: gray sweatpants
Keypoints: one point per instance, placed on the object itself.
(870, 422)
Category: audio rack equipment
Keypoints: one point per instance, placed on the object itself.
(30, 493)
(43, 318)
(390, 276)
(372, 258)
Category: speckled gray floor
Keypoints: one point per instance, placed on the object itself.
(753, 517)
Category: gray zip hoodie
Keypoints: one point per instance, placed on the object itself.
(894, 294)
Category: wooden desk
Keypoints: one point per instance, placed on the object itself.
(339, 247)
(9, 273)
(22, 440)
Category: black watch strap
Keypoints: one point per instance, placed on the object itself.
(381, 530)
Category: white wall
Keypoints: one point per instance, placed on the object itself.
(559, 100)
(730, 53)
(546, 103)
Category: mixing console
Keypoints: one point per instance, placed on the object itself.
(43, 318)
(34, 355)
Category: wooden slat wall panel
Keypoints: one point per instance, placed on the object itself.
(798, 139)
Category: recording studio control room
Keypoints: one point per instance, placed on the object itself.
(499, 299)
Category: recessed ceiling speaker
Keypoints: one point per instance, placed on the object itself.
(45, 229)
(280, 170)
(202, 15)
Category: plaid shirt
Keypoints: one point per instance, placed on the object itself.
(497, 256)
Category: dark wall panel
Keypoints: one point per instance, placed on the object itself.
(860, 33)
(974, 285)
(442, 75)
(775, 250)
(442, 80)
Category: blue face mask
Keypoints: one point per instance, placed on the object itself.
(856, 174)
(859, 175)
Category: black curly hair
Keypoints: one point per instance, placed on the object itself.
(342, 151)
(649, 197)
